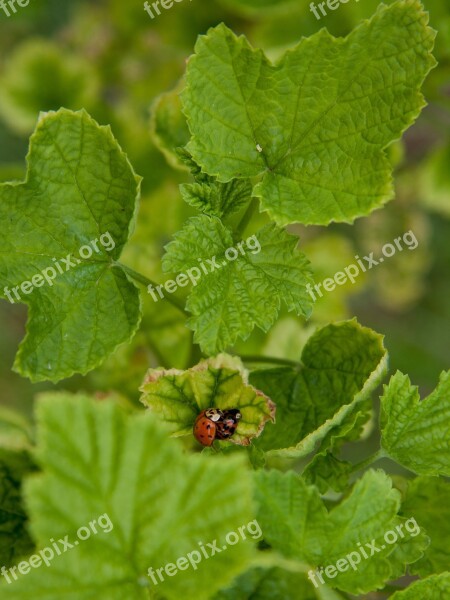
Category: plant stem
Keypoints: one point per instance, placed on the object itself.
(242, 225)
(368, 461)
(146, 282)
(270, 558)
(274, 360)
(392, 588)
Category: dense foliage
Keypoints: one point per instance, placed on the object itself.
(168, 236)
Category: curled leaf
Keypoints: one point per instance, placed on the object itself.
(178, 397)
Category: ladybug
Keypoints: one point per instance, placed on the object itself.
(226, 426)
(205, 426)
(215, 424)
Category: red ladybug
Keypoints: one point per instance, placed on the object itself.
(226, 426)
(205, 426)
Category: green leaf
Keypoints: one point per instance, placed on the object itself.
(432, 588)
(238, 293)
(209, 195)
(290, 511)
(80, 189)
(342, 364)
(267, 584)
(409, 549)
(313, 126)
(221, 382)
(326, 470)
(428, 499)
(168, 126)
(15, 541)
(296, 522)
(217, 199)
(366, 515)
(415, 432)
(98, 461)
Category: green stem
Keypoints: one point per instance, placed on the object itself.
(250, 358)
(368, 461)
(392, 589)
(146, 282)
(269, 558)
(242, 225)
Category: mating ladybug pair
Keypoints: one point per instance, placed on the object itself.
(215, 424)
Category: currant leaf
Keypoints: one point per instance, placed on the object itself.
(79, 188)
(314, 125)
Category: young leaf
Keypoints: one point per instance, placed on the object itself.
(432, 588)
(326, 470)
(79, 187)
(217, 199)
(209, 195)
(235, 294)
(414, 432)
(96, 460)
(428, 499)
(341, 365)
(168, 126)
(178, 397)
(314, 126)
(296, 522)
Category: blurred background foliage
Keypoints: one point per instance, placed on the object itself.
(112, 59)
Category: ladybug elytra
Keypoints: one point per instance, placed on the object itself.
(205, 426)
